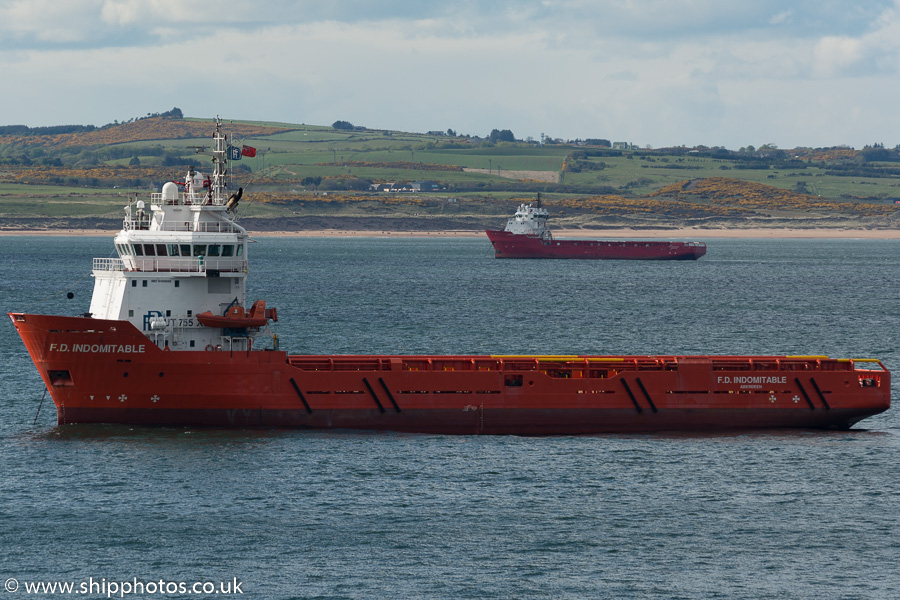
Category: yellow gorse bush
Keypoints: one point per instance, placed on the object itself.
(735, 193)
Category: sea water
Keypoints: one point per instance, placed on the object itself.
(184, 512)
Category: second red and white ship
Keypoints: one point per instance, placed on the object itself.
(526, 236)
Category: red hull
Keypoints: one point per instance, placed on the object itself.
(512, 245)
(108, 372)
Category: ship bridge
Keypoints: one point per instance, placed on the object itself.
(530, 219)
(184, 256)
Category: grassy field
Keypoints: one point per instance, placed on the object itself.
(92, 174)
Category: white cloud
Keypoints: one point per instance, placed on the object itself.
(837, 56)
(43, 20)
(654, 72)
(781, 17)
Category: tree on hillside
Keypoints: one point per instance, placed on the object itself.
(501, 136)
(876, 153)
(311, 181)
(342, 125)
(175, 113)
(51, 130)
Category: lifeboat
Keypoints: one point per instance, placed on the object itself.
(237, 318)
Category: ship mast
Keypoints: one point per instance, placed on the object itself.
(220, 161)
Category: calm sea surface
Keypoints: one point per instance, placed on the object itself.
(365, 515)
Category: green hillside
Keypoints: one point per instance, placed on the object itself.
(342, 176)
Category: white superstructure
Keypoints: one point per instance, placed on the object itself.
(530, 219)
(183, 256)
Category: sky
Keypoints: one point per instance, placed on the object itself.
(655, 73)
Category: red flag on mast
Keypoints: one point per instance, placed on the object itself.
(248, 151)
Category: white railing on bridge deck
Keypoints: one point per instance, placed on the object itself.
(184, 199)
(171, 264)
(108, 264)
(202, 227)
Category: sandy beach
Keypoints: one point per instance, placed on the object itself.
(677, 234)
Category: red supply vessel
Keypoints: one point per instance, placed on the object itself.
(169, 342)
(526, 236)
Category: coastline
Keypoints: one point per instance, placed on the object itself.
(592, 234)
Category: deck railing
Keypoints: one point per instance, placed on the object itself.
(108, 264)
(172, 225)
(171, 264)
(589, 366)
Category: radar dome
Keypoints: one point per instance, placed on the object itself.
(170, 191)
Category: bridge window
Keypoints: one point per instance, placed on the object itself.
(200, 250)
(227, 250)
(240, 249)
(138, 250)
(149, 250)
(185, 249)
(213, 250)
(161, 250)
(173, 249)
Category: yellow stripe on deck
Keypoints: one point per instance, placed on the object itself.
(536, 356)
